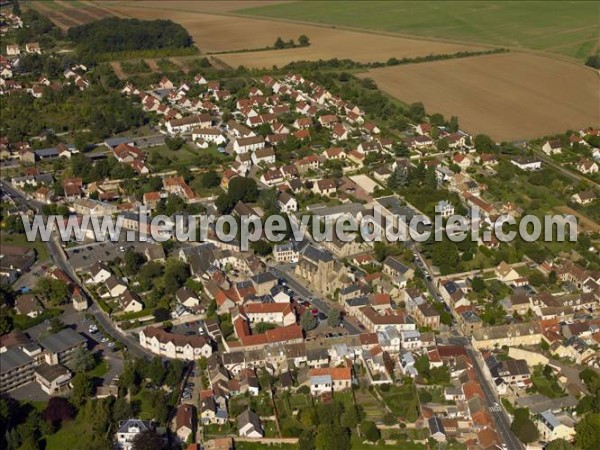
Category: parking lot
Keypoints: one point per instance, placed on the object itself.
(84, 256)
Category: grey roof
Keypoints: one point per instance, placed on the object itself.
(358, 301)
(435, 425)
(143, 425)
(396, 265)
(51, 373)
(317, 354)
(249, 417)
(264, 277)
(13, 358)
(46, 152)
(314, 254)
(321, 379)
(113, 142)
(61, 341)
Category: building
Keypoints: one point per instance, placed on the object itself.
(53, 380)
(175, 346)
(61, 347)
(187, 124)
(553, 426)
(185, 421)
(129, 429)
(281, 314)
(249, 425)
(328, 379)
(17, 367)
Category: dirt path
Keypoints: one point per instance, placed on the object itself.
(152, 64)
(181, 64)
(585, 222)
(118, 70)
(219, 63)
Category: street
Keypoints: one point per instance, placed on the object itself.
(282, 272)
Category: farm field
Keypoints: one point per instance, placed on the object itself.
(566, 28)
(508, 96)
(215, 33)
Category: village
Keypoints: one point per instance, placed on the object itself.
(475, 345)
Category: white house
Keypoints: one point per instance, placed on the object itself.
(248, 144)
(552, 147)
(128, 430)
(264, 156)
(212, 135)
(249, 425)
(187, 124)
(287, 203)
(175, 346)
(99, 273)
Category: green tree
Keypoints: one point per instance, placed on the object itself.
(306, 440)
(210, 179)
(483, 143)
(331, 437)
(279, 44)
(308, 321)
(83, 360)
(333, 320)
(82, 389)
(478, 284)
(303, 40)
(351, 417)
(523, 426)
(148, 440)
(560, 444)
(587, 432)
(370, 431)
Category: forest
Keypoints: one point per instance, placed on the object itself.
(114, 34)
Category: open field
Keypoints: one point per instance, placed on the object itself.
(567, 28)
(508, 96)
(214, 33)
(584, 223)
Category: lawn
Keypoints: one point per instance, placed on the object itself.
(246, 445)
(566, 28)
(21, 240)
(402, 401)
(371, 405)
(100, 370)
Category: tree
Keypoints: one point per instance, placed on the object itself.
(445, 256)
(308, 321)
(174, 143)
(83, 360)
(161, 314)
(243, 189)
(58, 410)
(306, 440)
(133, 261)
(303, 40)
(483, 143)
(416, 111)
(333, 320)
(351, 417)
(55, 291)
(16, 9)
(210, 179)
(523, 426)
(560, 444)
(370, 431)
(331, 437)
(478, 284)
(82, 389)
(148, 440)
(587, 432)
(56, 325)
(279, 44)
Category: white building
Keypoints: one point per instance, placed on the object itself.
(128, 430)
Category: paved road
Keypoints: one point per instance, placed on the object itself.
(556, 166)
(500, 417)
(282, 271)
(60, 260)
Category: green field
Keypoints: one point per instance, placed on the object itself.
(567, 28)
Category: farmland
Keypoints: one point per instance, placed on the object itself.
(214, 33)
(508, 96)
(565, 28)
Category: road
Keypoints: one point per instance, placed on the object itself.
(59, 259)
(556, 166)
(281, 271)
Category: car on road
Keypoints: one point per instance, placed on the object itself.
(314, 311)
(111, 344)
(104, 339)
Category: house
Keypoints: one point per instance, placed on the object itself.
(328, 379)
(129, 429)
(185, 421)
(13, 50)
(584, 198)
(444, 208)
(263, 156)
(552, 426)
(553, 147)
(249, 425)
(175, 346)
(436, 429)
(187, 124)
(99, 273)
(325, 187)
(28, 305)
(115, 287)
(587, 166)
(212, 135)
(527, 163)
(263, 283)
(281, 314)
(287, 203)
(43, 195)
(461, 160)
(187, 297)
(504, 272)
(130, 302)
(423, 129)
(61, 347)
(397, 270)
(79, 300)
(248, 144)
(339, 132)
